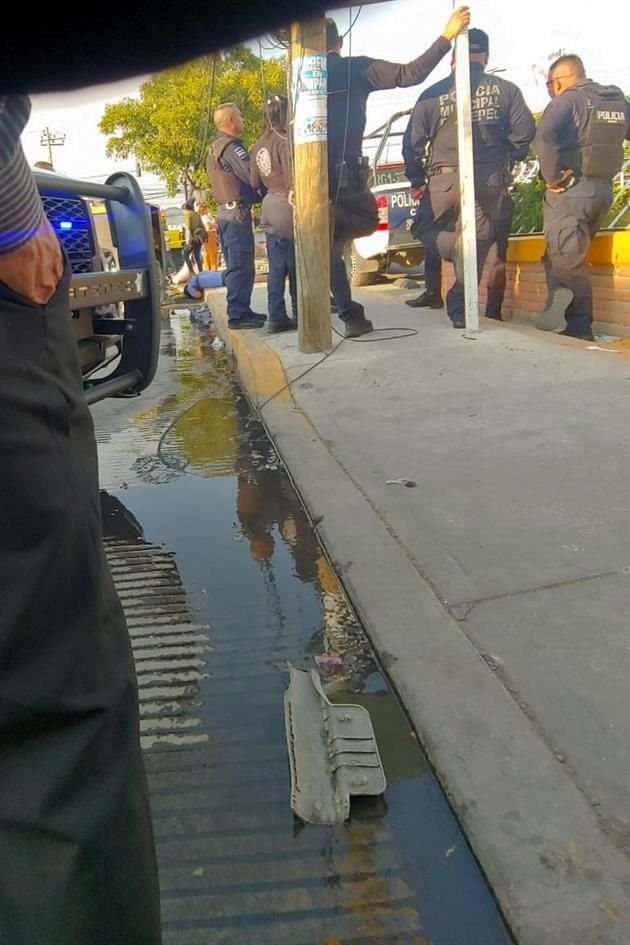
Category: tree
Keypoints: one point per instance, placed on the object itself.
(168, 128)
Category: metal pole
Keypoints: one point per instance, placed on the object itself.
(49, 143)
(466, 263)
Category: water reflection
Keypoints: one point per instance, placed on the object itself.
(204, 483)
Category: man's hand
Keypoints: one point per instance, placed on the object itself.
(456, 23)
(563, 183)
(34, 270)
(418, 192)
(291, 197)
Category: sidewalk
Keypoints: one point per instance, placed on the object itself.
(497, 590)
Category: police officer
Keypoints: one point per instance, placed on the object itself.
(579, 143)
(78, 861)
(503, 127)
(229, 173)
(271, 172)
(350, 82)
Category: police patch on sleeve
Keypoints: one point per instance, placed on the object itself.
(240, 152)
(263, 162)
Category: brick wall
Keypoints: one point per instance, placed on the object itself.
(526, 290)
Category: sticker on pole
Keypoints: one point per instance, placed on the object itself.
(310, 81)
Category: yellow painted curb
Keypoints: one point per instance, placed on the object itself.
(260, 369)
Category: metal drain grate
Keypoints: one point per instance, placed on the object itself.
(169, 651)
(234, 867)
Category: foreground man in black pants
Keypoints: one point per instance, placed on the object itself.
(78, 861)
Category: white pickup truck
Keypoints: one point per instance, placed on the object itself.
(391, 250)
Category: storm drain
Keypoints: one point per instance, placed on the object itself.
(235, 867)
(170, 652)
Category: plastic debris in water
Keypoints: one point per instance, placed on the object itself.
(218, 345)
(329, 661)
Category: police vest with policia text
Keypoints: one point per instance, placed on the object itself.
(602, 151)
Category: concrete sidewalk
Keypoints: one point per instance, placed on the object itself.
(497, 590)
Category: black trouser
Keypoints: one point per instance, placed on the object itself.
(432, 261)
(237, 244)
(281, 257)
(571, 220)
(437, 224)
(339, 282)
(433, 273)
(496, 259)
(76, 844)
(193, 256)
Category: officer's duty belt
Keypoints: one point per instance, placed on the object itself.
(233, 204)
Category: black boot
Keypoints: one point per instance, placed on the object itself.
(426, 300)
(357, 325)
(275, 326)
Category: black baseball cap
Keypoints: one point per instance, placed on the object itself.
(478, 41)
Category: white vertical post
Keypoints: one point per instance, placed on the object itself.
(468, 241)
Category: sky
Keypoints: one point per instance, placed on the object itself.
(523, 35)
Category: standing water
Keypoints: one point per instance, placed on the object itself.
(223, 581)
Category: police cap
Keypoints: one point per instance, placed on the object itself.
(478, 41)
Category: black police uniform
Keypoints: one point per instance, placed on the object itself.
(350, 81)
(271, 172)
(583, 130)
(229, 173)
(503, 127)
(75, 827)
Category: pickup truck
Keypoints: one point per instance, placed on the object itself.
(113, 247)
(391, 250)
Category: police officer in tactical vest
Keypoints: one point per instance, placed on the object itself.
(579, 143)
(503, 127)
(351, 80)
(229, 173)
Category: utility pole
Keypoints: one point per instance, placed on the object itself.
(309, 101)
(51, 139)
(466, 261)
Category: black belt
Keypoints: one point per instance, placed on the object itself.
(233, 204)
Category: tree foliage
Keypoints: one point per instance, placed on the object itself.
(169, 126)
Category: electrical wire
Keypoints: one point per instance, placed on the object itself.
(402, 333)
(358, 14)
(262, 71)
(204, 136)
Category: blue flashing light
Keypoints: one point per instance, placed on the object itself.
(65, 225)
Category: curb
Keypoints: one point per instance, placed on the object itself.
(556, 876)
(259, 368)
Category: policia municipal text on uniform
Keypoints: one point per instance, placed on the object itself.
(503, 128)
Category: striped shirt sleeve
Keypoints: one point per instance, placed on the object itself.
(21, 209)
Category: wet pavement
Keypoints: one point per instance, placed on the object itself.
(223, 582)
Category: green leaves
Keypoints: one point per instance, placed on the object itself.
(169, 126)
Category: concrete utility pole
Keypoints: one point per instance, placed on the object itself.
(467, 250)
(51, 139)
(309, 110)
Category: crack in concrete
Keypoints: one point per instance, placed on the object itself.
(468, 605)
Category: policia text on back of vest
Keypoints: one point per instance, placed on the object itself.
(115, 314)
(602, 154)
